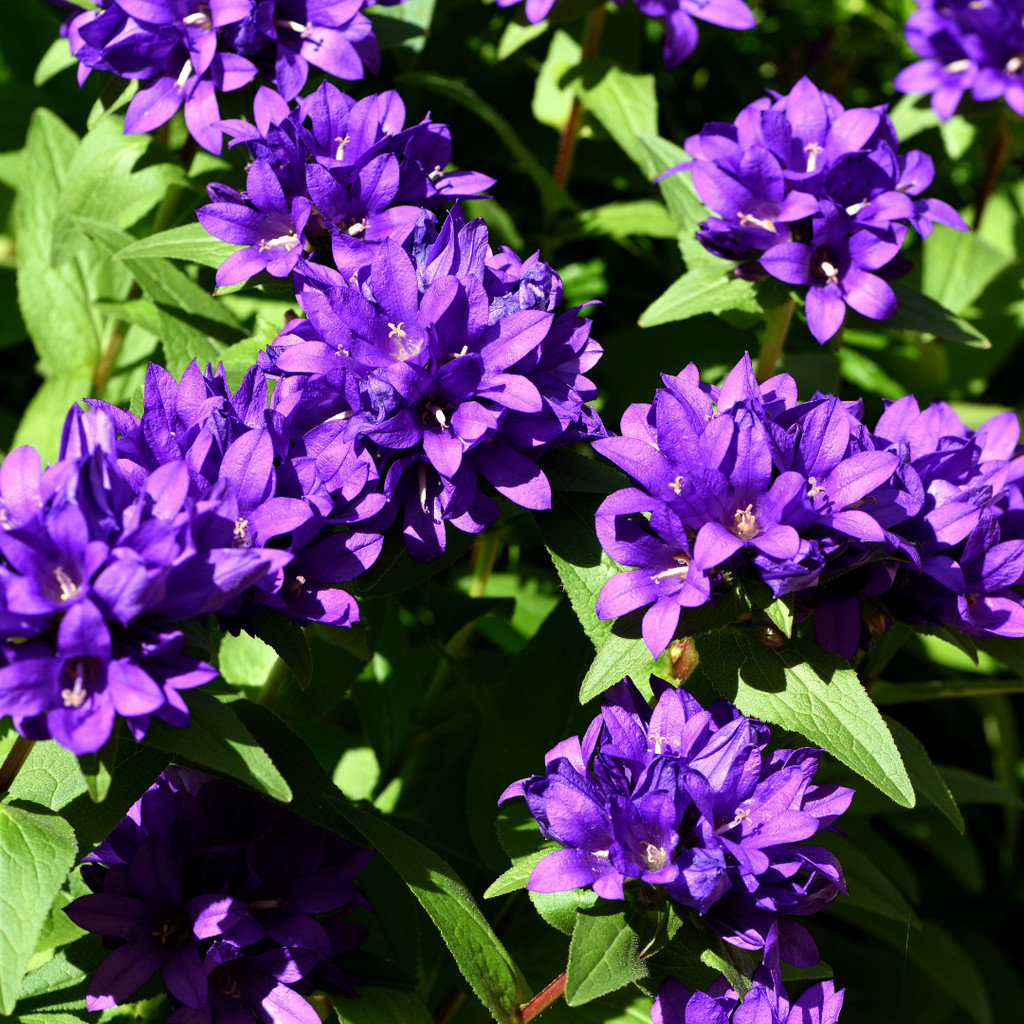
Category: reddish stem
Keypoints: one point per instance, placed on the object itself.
(997, 155)
(543, 999)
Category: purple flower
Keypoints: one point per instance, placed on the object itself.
(684, 798)
(94, 575)
(816, 196)
(966, 45)
(740, 478)
(331, 178)
(451, 367)
(226, 895)
(173, 45)
(680, 28)
(295, 483)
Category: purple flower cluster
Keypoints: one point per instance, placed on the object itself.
(447, 361)
(767, 1001)
(239, 903)
(187, 51)
(96, 571)
(331, 189)
(680, 28)
(816, 196)
(975, 45)
(684, 798)
(300, 487)
(921, 517)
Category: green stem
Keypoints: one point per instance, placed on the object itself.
(16, 757)
(543, 999)
(997, 154)
(777, 321)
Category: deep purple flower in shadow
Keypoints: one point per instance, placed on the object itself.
(684, 798)
(348, 175)
(966, 45)
(678, 15)
(228, 896)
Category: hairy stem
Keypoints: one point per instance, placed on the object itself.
(16, 757)
(997, 154)
(592, 28)
(543, 999)
(777, 321)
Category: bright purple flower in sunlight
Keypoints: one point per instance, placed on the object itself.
(95, 573)
(173, 46)
(685, 798)
(225, 894)
(975, 45)
(739, 479)
(296, 482)
(348, 175)
(816, 196)
(452, 369)
(680, 29)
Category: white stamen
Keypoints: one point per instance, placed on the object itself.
(1013, 65)
(423, 488)
(677, 484)
(74, 698)
(200, 20)
(812, 161)
(295, 26)
(286, 242)
(748, 218)
(68, 587)
(240, 526)
(440, 417)
(856, 208)
(655, 856)
(740, 817)
(342, 143)
(340, 416)
(435, 173)
(357, 229)
(815, 488)
(183, 76)
(679, 572)
(744, 523)
(829, 271)
(957, 66)
(397, 330)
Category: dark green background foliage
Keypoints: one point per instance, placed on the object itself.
(426, 711)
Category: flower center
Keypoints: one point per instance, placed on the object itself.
(677, 485)
(286, 242)
(816, 489)
(167, 929)
(68, 587)
(1014, 64)
(296, 26)
(813, 149)
(744, 523)
(654, 856)
(76, 695)
(342, 143)
(679, 572)
(434, 409)
(183, 76)
(241, 536)
(957, 66)
(200, 20)
(741, 816)
(747, 219)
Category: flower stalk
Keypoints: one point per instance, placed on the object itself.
(548, 996)
(777, 323)
(997, 154)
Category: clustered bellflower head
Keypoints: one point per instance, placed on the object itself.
(299, 486)
(95, 575)
(684, 798)
(741, 480)
(330, 178)
(447, 361)
(766, 1002)
(975, 45)
(188, 51)
(680, 28)
(240, 904)
(919, 521)
(815, 196)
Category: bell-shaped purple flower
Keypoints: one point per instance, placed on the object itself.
(225, 894)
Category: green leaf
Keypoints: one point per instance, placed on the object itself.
(934, 951)
(705, 289)
(625, 104)
(50, 777)
(1008, 650)
(60, 984)
(288, 640)
(644, 217)
(957, 136)
(481, 957)
(923, 774)
(517, 876)
(559, 909)
(46, 1018)
(516, 36)
(604, 954)
(41, 423)
(909, 119)
(54, 61)
(958, 266)
(956, 851)
(917, 312)
(216, 739)
(245, 660)
(552, 101)
(190, 242)
(620, 656)
(374, 1005)
(400, 571)
(567, 470)
(452, 609)
(869, 887)
(970, 788)
(780, 611)
(803, 687)
(36, 853)
(404, 25)
(553, 197)
(684, 205)
(102, 186)
(863, 372)
(98, 768)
